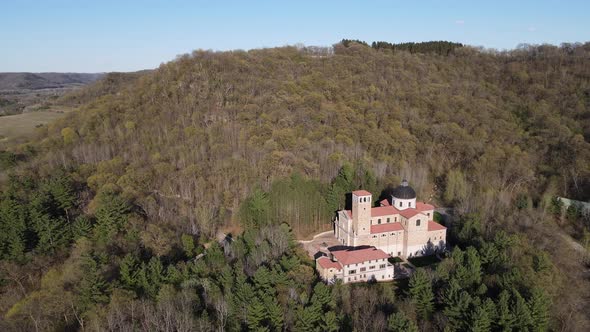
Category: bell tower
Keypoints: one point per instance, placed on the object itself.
(361, 212)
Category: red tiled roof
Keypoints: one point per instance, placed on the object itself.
(361, 193)
(327, 263)
(352, 256)
(388, 227)
(409, 213)
(385, 202)
(432, 226)
(381, 211)
(421, 206)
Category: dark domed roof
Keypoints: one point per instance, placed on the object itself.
(404, 191)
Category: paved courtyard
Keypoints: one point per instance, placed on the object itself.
(320, 242)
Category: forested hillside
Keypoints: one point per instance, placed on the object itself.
(106, 215)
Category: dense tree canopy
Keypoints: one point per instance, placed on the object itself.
(172, 199)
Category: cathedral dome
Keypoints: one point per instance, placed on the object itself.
(404, 191)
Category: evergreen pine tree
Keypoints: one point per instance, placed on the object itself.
(262, 281)
(505, 321)
(81, 227)
(93, 288)
(12, 229)
(308, 318)
(330, 322)
(539, 304)
(342, 184)
(322, 295)
(274, 312)
(256, 315)
(398, 322)
(480, 319)
(128, 270)
(473, 264)
(111, 215)
(421, 293)
(522, 313)
(456, 303)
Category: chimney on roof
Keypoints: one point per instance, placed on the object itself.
(333, 258)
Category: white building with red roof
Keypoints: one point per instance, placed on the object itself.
(402, 227)
(355, 265)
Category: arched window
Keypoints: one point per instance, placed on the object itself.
(418, 222)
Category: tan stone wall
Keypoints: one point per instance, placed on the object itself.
(328, 274)
(392, 218)
(361, 214)
(429, 214)
(391, 244)
(354, 272)
(419, 241)
(423, 223)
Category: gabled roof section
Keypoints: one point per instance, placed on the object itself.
(421, 206)
(327, 263)
(355, 256)
(388, 227)
(361, 193)
(384, 202)
(381, 211)
(409, 213)
(433, 226)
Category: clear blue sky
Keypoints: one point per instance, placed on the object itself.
(105, 35)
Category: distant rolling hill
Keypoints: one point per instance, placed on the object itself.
(37, 81)
(26, 92)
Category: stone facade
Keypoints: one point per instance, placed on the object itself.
(402, 227)
(355, 265)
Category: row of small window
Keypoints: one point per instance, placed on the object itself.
(388, 220)
(377, 260)
(364, 276)
(409, 204)
(365, 199)
(383, 235)
(363, 269)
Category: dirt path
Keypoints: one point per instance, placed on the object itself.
(319, 242)
(315, 236)
(574, 244)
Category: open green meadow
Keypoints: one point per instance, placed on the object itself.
(23, 125)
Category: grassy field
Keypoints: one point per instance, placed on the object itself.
(23, 125)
